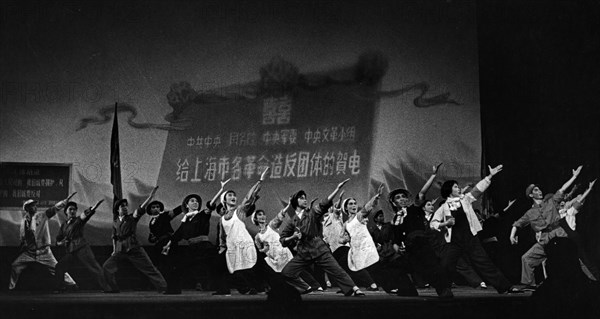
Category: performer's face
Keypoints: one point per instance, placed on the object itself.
(352, 206)
(455, 190)
(154, 209)
(379, 219)
(302, 202)
(401, 200)
(71, 212)
(123, 209)
(428, 208)
(193, 204)
(261, 217)
(230, 198)
(536, 193)
(31, 208)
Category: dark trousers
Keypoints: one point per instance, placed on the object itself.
(195, 258)
(140, 260)
(361, 277)
(391, 273)
(470, 247)
(87, 259)
(294, 268)
(424, 261)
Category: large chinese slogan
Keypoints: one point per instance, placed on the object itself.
(311, 137)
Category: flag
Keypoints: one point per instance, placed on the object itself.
(115, 161)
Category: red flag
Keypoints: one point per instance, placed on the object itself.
(115, 161)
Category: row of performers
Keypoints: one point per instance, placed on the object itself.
(328, 241)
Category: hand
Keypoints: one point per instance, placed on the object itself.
(68, 198)
(495, 170)
(165, 250)
(340, 185)
(450, 221)
(510, 202)
(577, 170)
(223, 183)
(379, 190)
(265, 248)
(436, 168)
(264, 174)
(514, 240)
(97, 204)
(592, 184)
(60, 243)
(221, 250)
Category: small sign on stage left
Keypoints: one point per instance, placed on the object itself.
(47, 183)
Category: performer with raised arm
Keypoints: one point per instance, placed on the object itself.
(35, 241)
(268, 244)
(306, 230)
(411, 226)
(458, 220)
(126, 246)
(235, 241)
(362, 252)
(200, 252)
(70, 235)
(160, 232)
(543, 217)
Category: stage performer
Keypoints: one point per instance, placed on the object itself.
(200, 252)
(126, 246)
(35, 241)
(306, 230)
(70, 235)
(460, 225)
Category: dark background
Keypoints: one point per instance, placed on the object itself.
(539, 85)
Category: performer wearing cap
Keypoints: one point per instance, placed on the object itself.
(35, 241)
(160, 231)
(71, 236)
(194, 228)
(126, 246)
(306, 230)
(544, 218)
(409, 226)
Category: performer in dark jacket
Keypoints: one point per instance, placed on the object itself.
(70, 235)
(306, 230)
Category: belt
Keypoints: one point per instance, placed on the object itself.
(550, 227)
(198, 238)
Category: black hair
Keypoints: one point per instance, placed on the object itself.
(446, 190)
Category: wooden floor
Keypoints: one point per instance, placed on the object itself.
(467, 303)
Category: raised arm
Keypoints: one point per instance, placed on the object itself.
(485, 183)
(50, 212)
(578, 202)
(425, 188)
(510, 203)
(368, 208)
(147, 201)
(212, 203)
(276, 222)
(247, 205)
(323, 207)
(566, 185)
(87, 214)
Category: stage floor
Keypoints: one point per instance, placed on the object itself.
(467, 303)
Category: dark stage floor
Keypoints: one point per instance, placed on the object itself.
(468, 303)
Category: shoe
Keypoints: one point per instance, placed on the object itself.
(328, 284)
(339, 291)
(307, 291)
(72, 288)
(445, 293)
(222, 293)
(320, 289)
(514, 290)
(394, 291)
(482, 285)
(253, 292)
(373, 289)
(529, 288)
(356, 293)
(243, 291)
